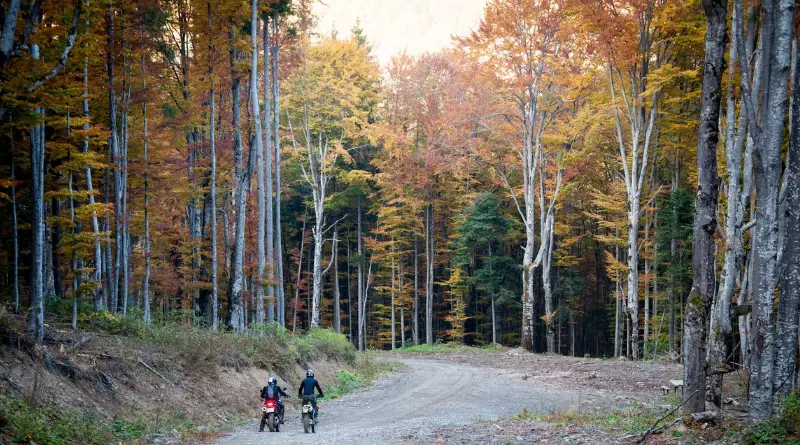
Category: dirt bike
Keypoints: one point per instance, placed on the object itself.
(310, 418)
(270, 415)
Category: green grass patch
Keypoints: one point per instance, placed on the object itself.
(366, 370)
(636, 419)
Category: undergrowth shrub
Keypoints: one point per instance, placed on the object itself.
(781, 429)
(266, 346)
(325, 343)
(29, 424)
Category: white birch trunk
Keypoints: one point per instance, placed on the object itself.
(235, 312)
(279, 289)
(259, 147)
(272, 304)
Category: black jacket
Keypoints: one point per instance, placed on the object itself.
(307, 387)
(280, 392)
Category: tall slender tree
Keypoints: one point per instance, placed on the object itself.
(705, 224)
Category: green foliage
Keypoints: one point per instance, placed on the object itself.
(128, 431)
(479, 264)
(26, 423)
(365, 372)
(782, 429)
(325, 343)
(346, 381)
(675, 217)
(128, 325)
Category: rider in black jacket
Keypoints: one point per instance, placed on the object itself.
(277, 393)
(306, 391)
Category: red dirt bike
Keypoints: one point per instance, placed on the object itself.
(271, 416)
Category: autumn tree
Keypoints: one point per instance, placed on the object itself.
(330, 98)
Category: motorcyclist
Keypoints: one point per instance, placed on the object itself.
(273, 392)
(306, 391)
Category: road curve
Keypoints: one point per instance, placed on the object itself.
(410, 404)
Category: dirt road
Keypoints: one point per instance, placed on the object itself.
(411, 405)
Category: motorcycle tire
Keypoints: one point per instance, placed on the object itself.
(306, 423)
(271, 422)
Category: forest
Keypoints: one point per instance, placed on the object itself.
(592, 178)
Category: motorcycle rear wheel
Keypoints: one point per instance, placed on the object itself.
(271, 422)
(306, 423)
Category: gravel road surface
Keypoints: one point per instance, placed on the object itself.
(412, 404)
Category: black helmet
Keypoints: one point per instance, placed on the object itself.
(310, 373)
(273, 381)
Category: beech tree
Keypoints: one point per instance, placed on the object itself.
(330, 97)
(705, 224)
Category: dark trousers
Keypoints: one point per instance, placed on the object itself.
(313, 399)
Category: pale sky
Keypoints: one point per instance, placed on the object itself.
(393, 25)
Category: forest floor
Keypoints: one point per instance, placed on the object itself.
(468, 395)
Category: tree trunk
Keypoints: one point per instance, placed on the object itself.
(73, 244)
(279, 290)
(9, 28)
(429, 256)
(269, 215)
(145, 143)
(349, 296)
(360, 280)
(494, 321)
(415, 310)
(16, 234)
(633, 277)
(213, 154)
(318, 188)
(720, 322)
(647, 265)
(394, 338)
(55, 250)
(705, 219)
(259, 147)
(547, 256)
(36, 318)
(786, 329)
(776, 41)
(527, 283)
(98, 255)
(402, 304)
(673, 252)
(113, 147)
(236, 277)
(618, 309)
(126, 95)
(337, 317)
(299, 273)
